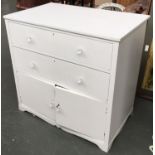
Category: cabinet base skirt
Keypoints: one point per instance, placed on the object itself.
(23, 107)
(99, 143)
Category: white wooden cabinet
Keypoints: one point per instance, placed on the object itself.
(77, 68)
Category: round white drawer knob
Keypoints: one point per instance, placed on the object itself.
(79, 52)
(32, 65)
(80, 81)
(29, 40)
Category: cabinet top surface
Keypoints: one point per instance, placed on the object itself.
(109, 25)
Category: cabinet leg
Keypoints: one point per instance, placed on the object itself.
(103, 147)
(21, 108)
(131, 113)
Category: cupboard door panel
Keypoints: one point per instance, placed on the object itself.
(38, 95)
(80, 113)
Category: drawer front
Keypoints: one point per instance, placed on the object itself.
(93, 53)
(83, 80)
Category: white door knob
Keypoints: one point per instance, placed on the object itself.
(29, 39)
(80, 52)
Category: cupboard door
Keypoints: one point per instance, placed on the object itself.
(80, 113)
(37, 95)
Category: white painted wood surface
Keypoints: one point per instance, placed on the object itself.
(90, 52)
(63, 73)
(124, 81)
(88, 21)
(74, 106)
(84, 85)
(31, 90)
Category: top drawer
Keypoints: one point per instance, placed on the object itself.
(90, 52)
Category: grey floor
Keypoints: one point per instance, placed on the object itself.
(23, 134)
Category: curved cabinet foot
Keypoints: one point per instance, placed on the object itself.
(103, 147)
(21, 108)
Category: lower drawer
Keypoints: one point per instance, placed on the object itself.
(80, 79)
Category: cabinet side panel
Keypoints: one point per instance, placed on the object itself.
(127, 70)
(8, 23)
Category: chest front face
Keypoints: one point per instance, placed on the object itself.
(61, 77)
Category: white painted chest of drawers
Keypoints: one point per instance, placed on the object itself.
(77, 68)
